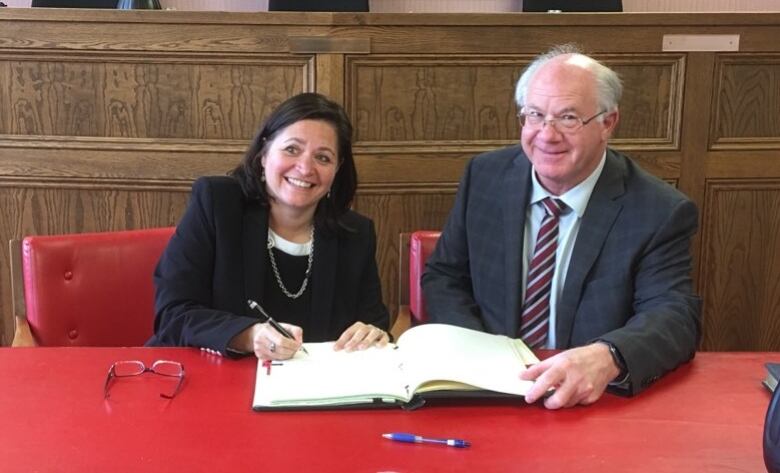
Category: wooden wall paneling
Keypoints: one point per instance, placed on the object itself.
(157, 32)
(747, 103)
(43, 162)
(652, 100)
(433, 101)
(751, 164)
(739, 280)
(418, 120)
(5, 78)
(741, 258)
(54, 208)
(401, 209)
(662, 164)
(51, 209)
(419, 167)
(330, 76)
(698, 95)
(209, 97)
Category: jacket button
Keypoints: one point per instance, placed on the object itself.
(73, 334)
(68, 275)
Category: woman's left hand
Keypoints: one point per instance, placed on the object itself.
(361, 336)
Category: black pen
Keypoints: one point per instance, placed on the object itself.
(276, 325)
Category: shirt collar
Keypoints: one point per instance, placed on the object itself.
(575, 198)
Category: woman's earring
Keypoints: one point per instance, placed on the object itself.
(328, 194)
(262, 174)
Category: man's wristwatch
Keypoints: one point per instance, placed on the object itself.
(619, 361)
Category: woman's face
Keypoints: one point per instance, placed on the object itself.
(300, 164)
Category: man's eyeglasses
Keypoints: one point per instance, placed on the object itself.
(124, 369)
(566, 123)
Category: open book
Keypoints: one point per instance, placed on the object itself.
(430, 358)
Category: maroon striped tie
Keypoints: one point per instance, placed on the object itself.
(536, 308)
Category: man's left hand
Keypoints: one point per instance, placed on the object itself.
(579, 376)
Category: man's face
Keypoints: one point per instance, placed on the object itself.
(563, 159)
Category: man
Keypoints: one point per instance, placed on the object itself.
(570, 245)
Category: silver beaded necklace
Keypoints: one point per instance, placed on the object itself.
(287, 293)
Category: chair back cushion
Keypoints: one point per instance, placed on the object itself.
(92, 289)
(421, 245)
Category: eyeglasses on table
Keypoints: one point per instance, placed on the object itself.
(126, 369)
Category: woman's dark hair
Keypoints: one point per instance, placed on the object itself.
(306, 106)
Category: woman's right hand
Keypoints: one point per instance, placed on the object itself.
(269, 344)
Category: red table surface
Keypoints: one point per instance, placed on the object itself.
(707, 416)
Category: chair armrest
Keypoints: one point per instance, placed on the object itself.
(23, 337)
(403, 320)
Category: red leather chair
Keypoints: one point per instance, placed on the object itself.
(421, 245)
(89, 289)
(413, 251)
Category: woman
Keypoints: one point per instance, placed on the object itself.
(278, 231)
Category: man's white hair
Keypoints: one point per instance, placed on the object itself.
(609, 87)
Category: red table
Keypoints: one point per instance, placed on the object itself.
(707, 416)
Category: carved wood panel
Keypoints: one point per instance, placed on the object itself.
(404, 99)
(156, 96)
(741, 261)
(652, 100)
(396, 211)
(747, 101)
(435, 101)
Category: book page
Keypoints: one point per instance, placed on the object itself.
(328, 377)
(435, 355)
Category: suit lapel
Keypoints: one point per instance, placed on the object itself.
(596, 224)
(517, 188)
(323, 279)
(255, 236)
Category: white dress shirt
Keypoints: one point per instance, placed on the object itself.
(576, 199)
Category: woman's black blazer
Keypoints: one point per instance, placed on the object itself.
(216, 260)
